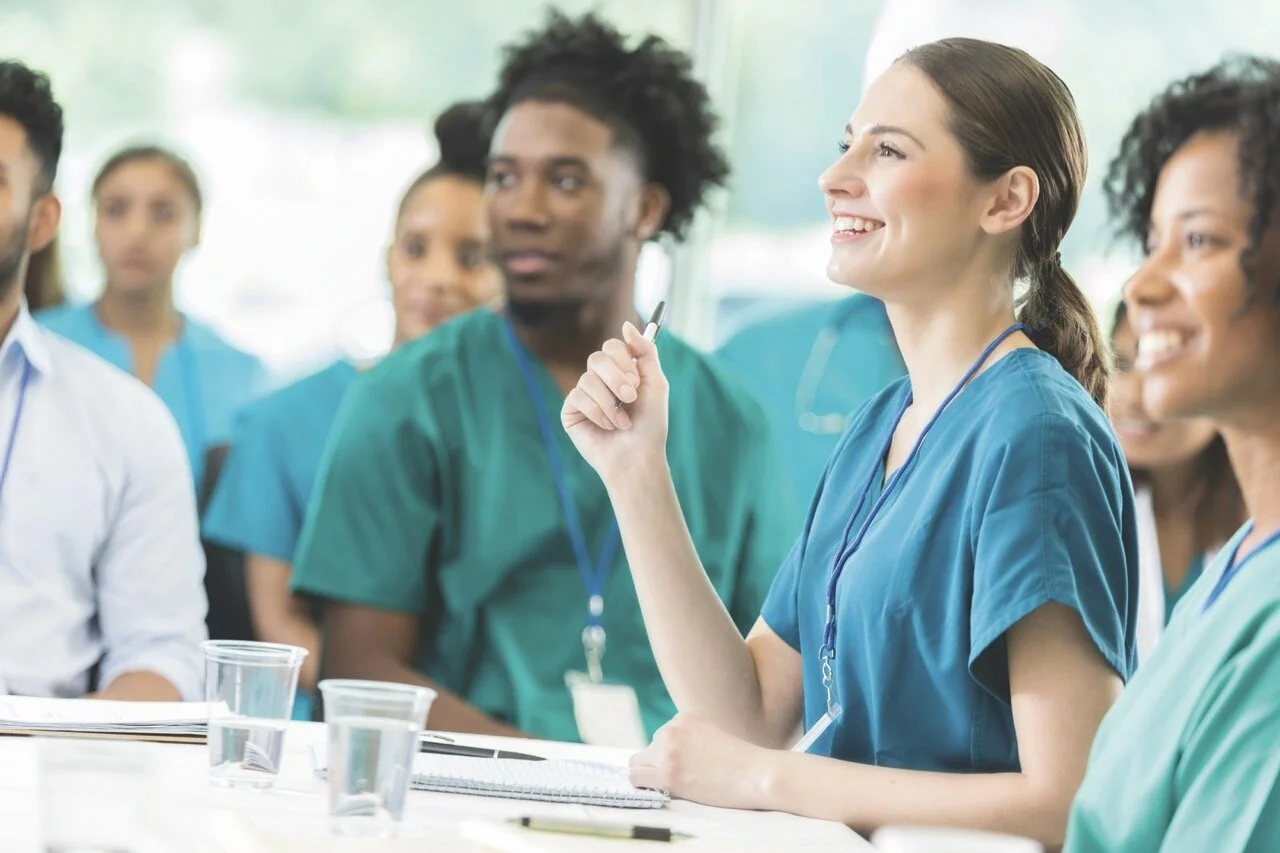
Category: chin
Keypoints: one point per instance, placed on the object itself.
(1166, 398)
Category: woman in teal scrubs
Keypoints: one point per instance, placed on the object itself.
(148, 206)
(1188, 758)
(438, 268)
(958, 614)
(1188, 500)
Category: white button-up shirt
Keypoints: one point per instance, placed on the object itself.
(100, 556)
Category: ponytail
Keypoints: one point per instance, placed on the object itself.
(1063, 324)
(43, 285)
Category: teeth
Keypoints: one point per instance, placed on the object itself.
(1157, 344)
(857, 223)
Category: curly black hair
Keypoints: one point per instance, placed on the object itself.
(1241, 94)
(25, 97)
(647, 95)
(462, 134)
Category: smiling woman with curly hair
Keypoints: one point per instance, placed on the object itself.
(1187, 759)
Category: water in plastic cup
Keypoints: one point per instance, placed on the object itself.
(250, 689)
(373, 738)
(94, 795)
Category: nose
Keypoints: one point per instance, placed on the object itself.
(1151, 285)
(842, 179)
(527, 208)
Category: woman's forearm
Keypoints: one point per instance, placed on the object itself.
(866, 797)
(704, 660)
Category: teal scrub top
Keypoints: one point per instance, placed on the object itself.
(1020, 496)
(271, 470)
(1173, 596)
(1188, 759)
(201, 378)
(816, 364)
(437, 499)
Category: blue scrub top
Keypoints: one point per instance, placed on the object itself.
(1020, 496)
(824, 360)
(200, 377)
(276, 449)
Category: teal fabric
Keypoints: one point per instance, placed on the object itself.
(1020, 496)
(770, 357)
(437, 499)
(202, 378)
(1187, 759)
(1173, 596)
(276, 450)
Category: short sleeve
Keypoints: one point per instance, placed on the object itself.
(769, 529)
(253, 508)
(1057, 525)
(374, 513)
(1228, 774)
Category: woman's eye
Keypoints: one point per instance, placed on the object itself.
(884, 149)
(567, 183)
(842, 147)
(415, 249)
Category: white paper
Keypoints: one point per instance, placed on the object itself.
(607, 714)
(101, 715)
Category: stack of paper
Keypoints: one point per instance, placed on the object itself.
(178, 721)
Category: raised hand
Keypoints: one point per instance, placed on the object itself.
(617, 413)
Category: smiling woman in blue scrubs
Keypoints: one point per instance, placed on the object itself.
(148, 206)
(958, 614)
(438, 268)
(1189, 758)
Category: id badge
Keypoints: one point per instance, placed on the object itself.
(607, 714)
(818, 729)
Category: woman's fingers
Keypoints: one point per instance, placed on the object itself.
(596, 389)
(616, 369)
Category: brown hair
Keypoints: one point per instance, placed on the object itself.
(43, 287)
(1220, 509)
(136, 153)
(1007, 109)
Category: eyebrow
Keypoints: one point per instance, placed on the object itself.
(883, 129)
(553, 162)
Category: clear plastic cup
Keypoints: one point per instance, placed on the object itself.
(250, 689)
(373, 738)
(94, 795)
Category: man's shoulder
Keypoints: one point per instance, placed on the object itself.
(107, 393)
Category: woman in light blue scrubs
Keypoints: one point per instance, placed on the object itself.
(438, 268)
(958, 614)
(1189, 758)
(1189, 503)
(148, 206)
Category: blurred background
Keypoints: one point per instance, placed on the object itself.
(307, 118)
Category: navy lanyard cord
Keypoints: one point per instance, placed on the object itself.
(17, 419)
(849, 548)
(1234, 565)
(592, 579)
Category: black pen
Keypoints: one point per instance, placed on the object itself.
(438, 746)
(600, 830)
(651, 330)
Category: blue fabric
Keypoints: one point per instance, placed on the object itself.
(1020, 497)
(769, 358)
(276, 449)
(227, 378)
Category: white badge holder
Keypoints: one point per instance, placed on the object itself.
(606, 714)
(809, 738)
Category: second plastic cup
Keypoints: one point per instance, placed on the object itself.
(373, 738)
(250, 689)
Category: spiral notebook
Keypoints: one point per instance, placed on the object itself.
(551, 781)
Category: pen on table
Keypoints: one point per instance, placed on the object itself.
(600, 830)
(439, 746)
(651, 330)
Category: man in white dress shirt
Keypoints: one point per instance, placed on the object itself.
(100, 561)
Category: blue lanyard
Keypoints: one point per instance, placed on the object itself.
(1234, 565)
(593, 578)
(17, 419)
(849, 547)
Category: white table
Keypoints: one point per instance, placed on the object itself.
(194, 816)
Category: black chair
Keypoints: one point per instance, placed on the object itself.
(228, 617)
